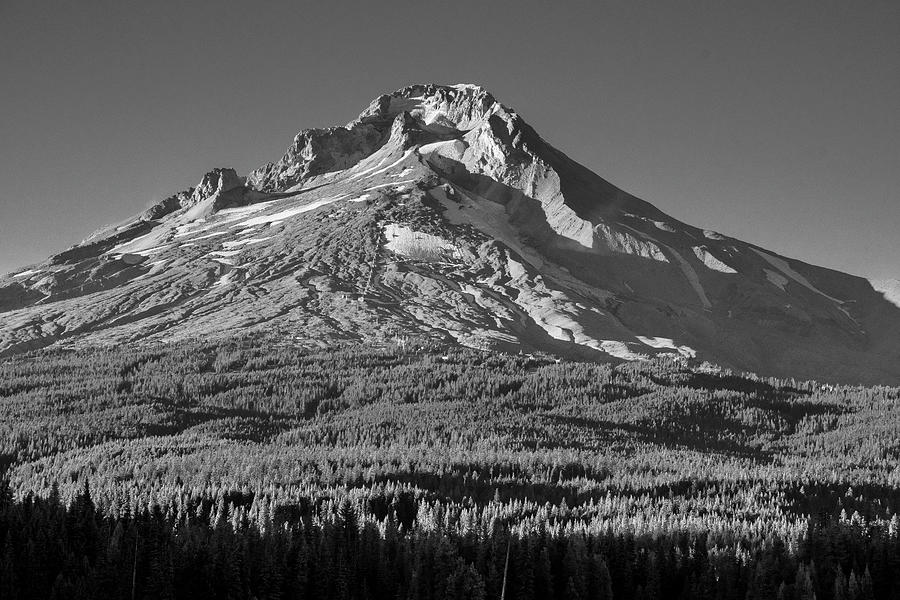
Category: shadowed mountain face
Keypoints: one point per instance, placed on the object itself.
(440, 213)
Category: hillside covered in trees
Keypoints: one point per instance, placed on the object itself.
(256, 469)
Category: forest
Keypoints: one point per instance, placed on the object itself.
(255, 468)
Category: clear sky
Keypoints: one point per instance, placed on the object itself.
(775, 122)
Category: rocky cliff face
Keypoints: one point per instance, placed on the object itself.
(440, 213)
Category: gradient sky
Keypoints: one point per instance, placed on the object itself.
(775, 122)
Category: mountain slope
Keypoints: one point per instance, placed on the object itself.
(890, 288)
(440, 213)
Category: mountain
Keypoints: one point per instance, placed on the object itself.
(440, 213)
(890, 288)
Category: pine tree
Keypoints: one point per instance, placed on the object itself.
(604, 580)
(573, 590)
(9, 585)
(522, 570)
(803, 584)
(299, 588)
(867, 591)
(349, 522)
(653, 583)
(159, 579)
(840, 586)
(764, 583)
(543, 576)
(6, 495)
(853, 587)
(473, 585)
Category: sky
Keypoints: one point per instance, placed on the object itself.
(773, 122)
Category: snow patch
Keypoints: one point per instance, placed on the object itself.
(285, 214)
(146, 244)
(362, 198)
(27, 273)
(452, 149)
(225, 279)
(620, 350)
(662, 225)
(242, 211)
(623, 242)
(667, 343)
(776, 279)
(711, 261)
(406, 155)
(469, 208)
(418, 245)
(154, 267)
(889, 288)
(132, 253)
(220, 218)
(383, 185)
(552, 311)
(713, 235)
(516, 269)
(785, 268)
(367, 171)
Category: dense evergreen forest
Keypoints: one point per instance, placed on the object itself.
(255, 469)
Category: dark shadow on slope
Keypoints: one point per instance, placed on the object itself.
(223, 422)
(819, 499)
(620, 273)
(707, 442)
(95, 249)
(712, 382)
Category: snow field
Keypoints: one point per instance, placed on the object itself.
(711, 261)
(418, 245)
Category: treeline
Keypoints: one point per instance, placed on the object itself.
(255, 469)
(345, 550)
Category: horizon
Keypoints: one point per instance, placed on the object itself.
(109, 120)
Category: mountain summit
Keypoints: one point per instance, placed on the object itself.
(440, 213)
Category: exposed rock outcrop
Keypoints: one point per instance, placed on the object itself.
(168, 206)
(217, 181)
(318, 151)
